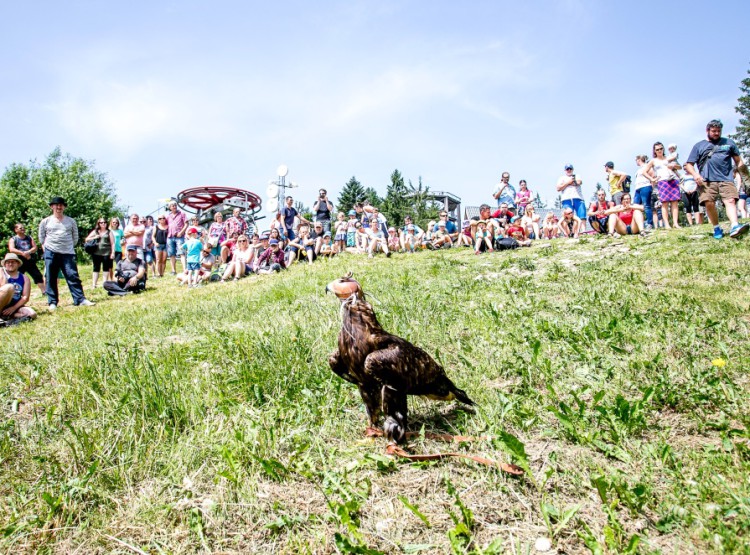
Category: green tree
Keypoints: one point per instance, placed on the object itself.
(423, 208)
(558, 202)
(397, 203)
(596, 191)
(25, 191)
(352, 193)
(372, 196)
(538, 203)
(742, 132)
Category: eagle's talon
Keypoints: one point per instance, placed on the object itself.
(393, 430)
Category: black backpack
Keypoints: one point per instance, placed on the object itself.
(626, 184)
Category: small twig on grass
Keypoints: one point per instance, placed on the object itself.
(125, 544)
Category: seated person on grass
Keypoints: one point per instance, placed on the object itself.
(15, 289)
(403, 232)
(530, 222)
(550, 229)
(327, 248)
(394, 244)
(465, 237)
(625, 218)
(503, 215)
(362, 238)
(482, 238)
(410, 242)
(272, 259)
(570, 224)
(242, 259)
(441, 237)
(516, 231)
(377, 240)
(130, 275)
(206, 266)
(428, 235)
(227, 246)
(598, 216)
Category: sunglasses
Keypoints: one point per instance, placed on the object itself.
(660, 148)
(102, 222)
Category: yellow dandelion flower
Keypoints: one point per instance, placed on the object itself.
(719, 362)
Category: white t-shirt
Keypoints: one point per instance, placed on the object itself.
(663, 173)
(641, 180)
(570, 192)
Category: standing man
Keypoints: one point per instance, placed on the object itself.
(235, 224)
(322, 209)
(58, 235)
(288, 213)
(569, 187)
(715, 178)
(134, 234)
(504, 191)
(176, 226)
(615, 180)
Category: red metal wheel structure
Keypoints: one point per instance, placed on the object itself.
(202, 199)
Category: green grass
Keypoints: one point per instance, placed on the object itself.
(208, 420)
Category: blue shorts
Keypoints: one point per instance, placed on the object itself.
(174, 245)
(193, 266)
(148, 255)
(577, 205)
(160, 248)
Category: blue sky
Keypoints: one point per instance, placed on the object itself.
(169, 95)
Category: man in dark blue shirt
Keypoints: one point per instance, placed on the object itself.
(715, 177)
(289, 212)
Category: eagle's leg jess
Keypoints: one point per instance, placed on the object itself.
(394, 407)
(371, 398)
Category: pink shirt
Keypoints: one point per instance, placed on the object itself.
(175, 223)
(136, 240)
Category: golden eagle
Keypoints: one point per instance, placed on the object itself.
(385, 367)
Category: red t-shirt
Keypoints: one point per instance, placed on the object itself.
(516, 231)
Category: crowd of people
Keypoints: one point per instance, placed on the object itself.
(231, 249)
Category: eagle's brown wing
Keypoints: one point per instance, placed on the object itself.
(410, 370)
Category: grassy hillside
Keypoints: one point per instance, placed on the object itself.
(208, 420)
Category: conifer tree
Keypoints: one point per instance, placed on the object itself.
(742, 133)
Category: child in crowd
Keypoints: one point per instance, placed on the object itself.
(327, 248)
(193, 248)
(428, 235)
(393, 243)
(441, 238)
(341, 232)
(464, 238)
(674, 156)
(569, 224)
(351, 230)
(483, 238)
(410, 239)
(549, 226)
(517, 231)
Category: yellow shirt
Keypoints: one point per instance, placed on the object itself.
(614, 187)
